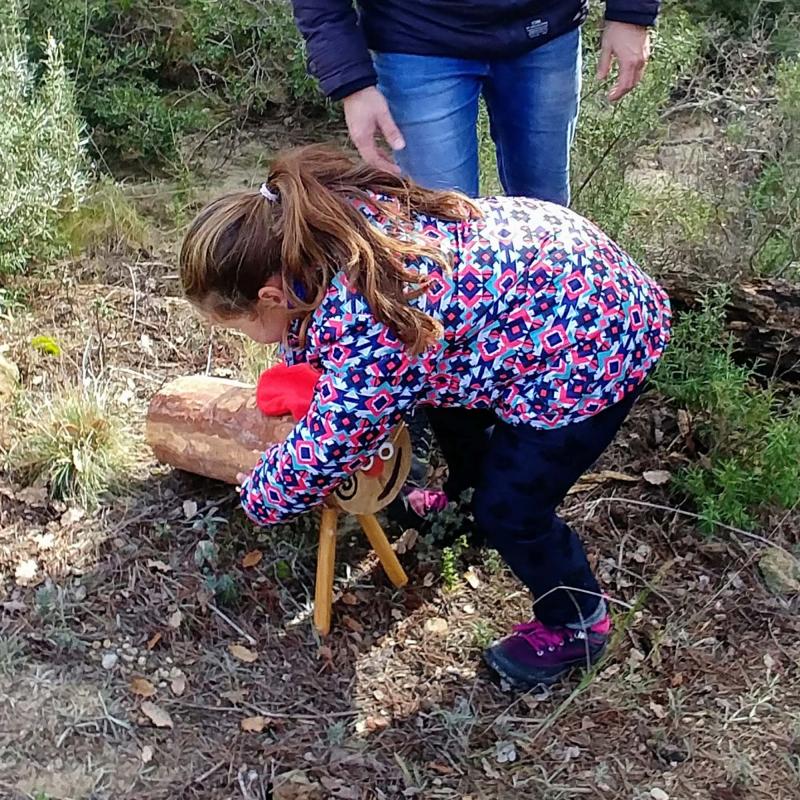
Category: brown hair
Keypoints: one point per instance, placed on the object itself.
(311, 232)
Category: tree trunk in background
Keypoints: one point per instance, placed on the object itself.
(211, 427)
(763, 314)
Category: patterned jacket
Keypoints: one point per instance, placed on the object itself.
(546, 322)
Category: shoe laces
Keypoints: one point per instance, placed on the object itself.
(542, 638)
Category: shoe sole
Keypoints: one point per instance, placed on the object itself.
(497, 666)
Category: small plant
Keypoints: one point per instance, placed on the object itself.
(482, 634)
(76, 442)
(12, 652)
(224, 588)
(451, 562)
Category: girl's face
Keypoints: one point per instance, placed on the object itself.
(269, 320)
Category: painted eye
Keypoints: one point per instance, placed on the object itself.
(386, 451)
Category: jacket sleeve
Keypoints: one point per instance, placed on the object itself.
(368, 383)
(337, 51)
(635, 12)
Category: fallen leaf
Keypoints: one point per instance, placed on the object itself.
(178, 685)
(175, 619)
(684, 423)
(189, 508)
(236, 695)
(141, 686)
(147, 754)
(376, 723)
(657, 477)
(253, 724)
(242, 653)
(161, 566)
(153, 640)
(471, 577)
(659, 710)
(436, 625)
(349, 599)
(442, 769)
(72, 515)
(156, 715)
(428, 579)
(406, 541)
(352, 624)
(252, 558)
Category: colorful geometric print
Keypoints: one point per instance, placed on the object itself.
(546, 321)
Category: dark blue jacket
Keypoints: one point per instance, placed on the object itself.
(339, 40)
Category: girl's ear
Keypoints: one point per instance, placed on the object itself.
(271, 296)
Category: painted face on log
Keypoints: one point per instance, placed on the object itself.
(374, 487)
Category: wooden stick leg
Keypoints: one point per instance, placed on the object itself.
(326, 558)
(380, 544)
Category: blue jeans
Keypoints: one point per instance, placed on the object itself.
(533, 108)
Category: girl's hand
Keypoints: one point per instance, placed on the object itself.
(241, 478)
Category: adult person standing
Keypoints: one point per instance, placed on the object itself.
(413, 71)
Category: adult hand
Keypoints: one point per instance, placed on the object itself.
(367, 113)
(630, 45)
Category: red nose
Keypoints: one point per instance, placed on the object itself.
(376, 469)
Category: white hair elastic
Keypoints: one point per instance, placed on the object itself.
(268, 194)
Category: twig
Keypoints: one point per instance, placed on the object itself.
(208, 773)
(233, 625)
(738, 531)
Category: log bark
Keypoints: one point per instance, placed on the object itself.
(762, 313)
(211, 427)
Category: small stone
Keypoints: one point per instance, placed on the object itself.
(128, 658)
(658, 794)
(107, 643)
(781, 571)
(109, 660)
(141, 661)
(96, 645)
(80, 594)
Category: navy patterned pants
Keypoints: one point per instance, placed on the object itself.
(520, 476)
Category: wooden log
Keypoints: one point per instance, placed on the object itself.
(763, 314)
(211, 426)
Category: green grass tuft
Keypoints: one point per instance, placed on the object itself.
(77, 442)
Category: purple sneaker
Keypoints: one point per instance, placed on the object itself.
(535, 655)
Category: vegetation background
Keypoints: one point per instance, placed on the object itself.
(126, 589)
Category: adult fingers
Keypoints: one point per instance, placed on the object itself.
(604, 62)
(630, 73)
(390, 130)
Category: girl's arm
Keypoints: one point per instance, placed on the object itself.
(368, 384)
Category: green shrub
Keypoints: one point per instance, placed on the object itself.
(610, 137)
(750, 436)
(42, 169)
(149, 73)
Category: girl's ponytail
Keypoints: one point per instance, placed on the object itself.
(303, 224)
